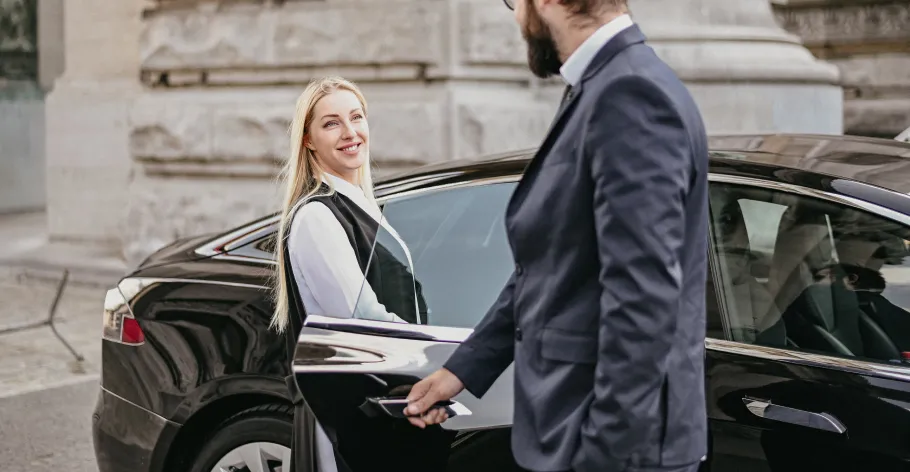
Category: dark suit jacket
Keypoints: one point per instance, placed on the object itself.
(604, 314)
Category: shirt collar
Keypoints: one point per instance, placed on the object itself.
(578, 61)
(343, 186)
(353, 192)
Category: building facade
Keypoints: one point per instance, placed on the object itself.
(170, 117)
(869, 41)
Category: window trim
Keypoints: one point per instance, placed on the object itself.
(457, 335)
(791, 356)
(252, 234)
(856, 203)
(856, 366)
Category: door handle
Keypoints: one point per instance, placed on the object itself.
(395, 406)
(769, 411)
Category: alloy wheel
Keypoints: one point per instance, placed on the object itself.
(256, 457)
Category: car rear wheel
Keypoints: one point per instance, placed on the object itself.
(255, 439)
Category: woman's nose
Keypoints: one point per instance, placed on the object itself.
(349, 131)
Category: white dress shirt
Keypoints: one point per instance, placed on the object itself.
(329, 279)
(575, 66)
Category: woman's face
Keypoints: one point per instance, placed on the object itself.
(339, 134)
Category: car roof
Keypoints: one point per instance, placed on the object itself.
(880, 162)
(883, 163)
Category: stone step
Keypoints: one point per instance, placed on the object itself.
(46, 265)
(28, 256)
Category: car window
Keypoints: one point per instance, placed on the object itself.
(809, 274)
(441, 258)
(267, 244)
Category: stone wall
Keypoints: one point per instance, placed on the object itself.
(180, 126)
(88, 160)
(444, 79)
(869, 41)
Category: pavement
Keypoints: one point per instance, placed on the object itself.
(49, 430)
(46, 394)
(32, 357)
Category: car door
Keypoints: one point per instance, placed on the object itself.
(347, 367)
(814, 289)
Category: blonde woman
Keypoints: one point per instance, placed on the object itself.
(329, 224)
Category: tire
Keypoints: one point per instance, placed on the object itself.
(264, 431)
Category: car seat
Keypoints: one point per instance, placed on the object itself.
(820, 315)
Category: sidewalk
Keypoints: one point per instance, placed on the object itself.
(32, 357)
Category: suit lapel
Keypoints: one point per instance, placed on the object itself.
(531, 170)
(625, 38)
(561, 114)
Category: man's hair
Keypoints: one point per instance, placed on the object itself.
(594, 7)
(866, 278)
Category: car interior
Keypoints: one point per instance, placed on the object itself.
(811, 299)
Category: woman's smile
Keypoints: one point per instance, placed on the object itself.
(351, 149)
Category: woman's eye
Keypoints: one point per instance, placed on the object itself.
(329, 123)
(358, 117)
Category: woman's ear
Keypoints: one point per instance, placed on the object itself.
(306, 143)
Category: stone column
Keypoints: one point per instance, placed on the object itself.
(88, 160)
(870, 43)
(746, 72)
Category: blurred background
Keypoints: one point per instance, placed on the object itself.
(127, 124)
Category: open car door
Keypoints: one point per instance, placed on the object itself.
(355, 371)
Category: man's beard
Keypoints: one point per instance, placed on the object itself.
(543, 58)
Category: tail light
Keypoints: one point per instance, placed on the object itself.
(119, 324)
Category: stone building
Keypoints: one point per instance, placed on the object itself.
(869, 41)
(170, 117)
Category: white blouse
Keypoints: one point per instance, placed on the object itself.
(325, 267)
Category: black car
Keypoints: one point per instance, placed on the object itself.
(808, 349)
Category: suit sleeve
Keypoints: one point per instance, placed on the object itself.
(639, 160)
(489, 350)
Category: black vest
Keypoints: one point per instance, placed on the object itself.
(389, 276)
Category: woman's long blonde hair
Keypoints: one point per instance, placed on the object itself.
(302, 177)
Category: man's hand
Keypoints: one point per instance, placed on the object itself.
(439, 386)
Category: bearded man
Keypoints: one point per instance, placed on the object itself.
(604, 314)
